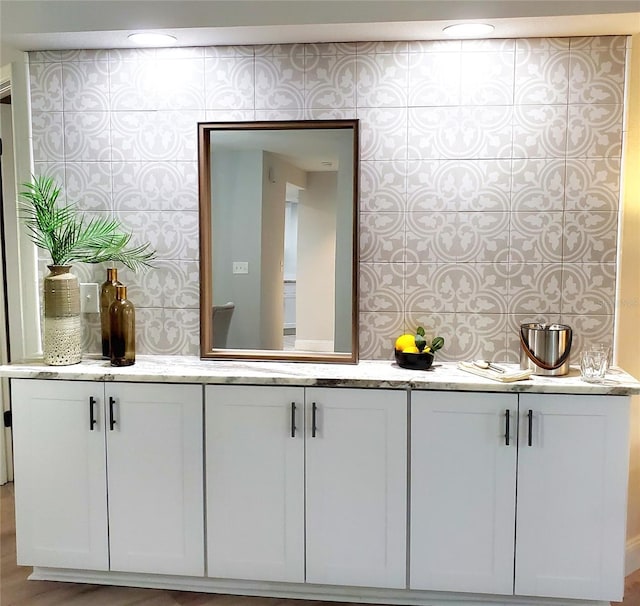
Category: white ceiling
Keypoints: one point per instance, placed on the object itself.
(67, 24)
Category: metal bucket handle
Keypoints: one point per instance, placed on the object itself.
(540, 363)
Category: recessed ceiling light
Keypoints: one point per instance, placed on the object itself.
(152, 39)
(468, 29)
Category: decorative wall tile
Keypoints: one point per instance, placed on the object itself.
(381, 237)
(542, 44)
(588, 331)
(87, 136)
(434, 79)
(465, 185)
(597, 76)
(539, 131)
(381, 286)
(538, 184)
(536, 237)
(460, 132)
(181, 284)
(479, 336)
(434, 46)
(182, 83)
(377, 334)
(55, 170)
(181, 332)
(590, 237)
(155, 136)
(382, 80)
(383, 133)
(594, 131)
(535, 288)
(133, 83)
(48, 136)
(541, 77)
(229, 83)
(386, 47)
(330, 81)
(457, 237)
(45, 82)
(592, 184)
(435, 325)
(330, 48)
(86, 86)
(229, 51)
(449, 287)
(383, 186)
(470, 223)
(588, 288)
(597, 42)
(486, 78)
(489, 45)
(88, 185)
(149, 186)
(279, 82)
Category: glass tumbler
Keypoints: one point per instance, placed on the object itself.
(593, 365)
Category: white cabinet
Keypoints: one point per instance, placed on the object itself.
(572, 489)
(351, 492)
(255, 482)
(565, 518)
(60, 481)
(356, 487)
(140, 444)
(463, 491)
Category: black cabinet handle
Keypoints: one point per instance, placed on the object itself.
(530, 415)
(293, 419)
(112, 420)
(507, 429)
(314, 427)
(92, 416)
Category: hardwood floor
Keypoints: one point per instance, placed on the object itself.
(16, 590)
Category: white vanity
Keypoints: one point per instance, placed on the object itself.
(323, 481)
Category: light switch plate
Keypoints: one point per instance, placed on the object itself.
(89, 298)
(240, 267)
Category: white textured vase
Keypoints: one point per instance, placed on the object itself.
(62, 343)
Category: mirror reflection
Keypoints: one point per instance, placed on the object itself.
(279, 240)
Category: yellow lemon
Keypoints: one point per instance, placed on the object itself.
(404, 341)
(411, 349)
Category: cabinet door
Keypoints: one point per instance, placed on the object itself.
(60, 474)
(156, 517)
(572, 487)
(255, 482)
(463, 490)
(356, 473)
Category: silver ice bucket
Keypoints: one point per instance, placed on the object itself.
(545, 348)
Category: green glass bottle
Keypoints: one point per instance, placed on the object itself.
(122, 325)
(107, 297)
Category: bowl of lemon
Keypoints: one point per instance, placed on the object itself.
(415, 352)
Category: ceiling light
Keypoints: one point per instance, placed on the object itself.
(468, 29)
(152, 39)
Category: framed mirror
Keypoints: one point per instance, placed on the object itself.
(279, 240)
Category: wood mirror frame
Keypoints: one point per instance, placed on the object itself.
(345, 237)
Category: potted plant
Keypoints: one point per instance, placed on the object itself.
(69, 237)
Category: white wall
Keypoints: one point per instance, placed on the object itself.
(315, 314)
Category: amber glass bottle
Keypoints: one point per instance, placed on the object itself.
(122, 321)
(107, 297)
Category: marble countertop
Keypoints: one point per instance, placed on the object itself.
(367, 374)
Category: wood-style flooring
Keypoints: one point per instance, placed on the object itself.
(16, 590)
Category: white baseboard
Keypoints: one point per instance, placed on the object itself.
(632, 557)
(305, 591)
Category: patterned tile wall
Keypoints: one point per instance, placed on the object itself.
(489, 174)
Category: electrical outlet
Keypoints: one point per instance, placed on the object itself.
(89, 298)
(240, 267)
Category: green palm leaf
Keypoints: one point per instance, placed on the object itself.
(57, 229)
